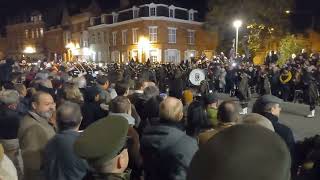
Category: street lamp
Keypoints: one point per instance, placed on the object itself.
(237, 24)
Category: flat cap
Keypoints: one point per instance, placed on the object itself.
(211, 98)
(9, 97)
(266, 99)
(102, 140)
(248, 152)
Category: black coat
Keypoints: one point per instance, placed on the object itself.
(9, 123)
(91, 112)
(167, 152)
(282, 130)
(60, 160)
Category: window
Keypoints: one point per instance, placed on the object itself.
(93, 38)
(172, 35)
(32, 34)
(191, 15)
(114, 38)
(153, 33)
(37, 33)
(191, 36)
(41, 32)
(106, 40)
(98, 38)
(124, 37)
(115, 18)
(153, 11)
(171, 13)
(27, 33)
(135, 36)
(135, 13)
(40, 18)
(172, 56)
(153, 56)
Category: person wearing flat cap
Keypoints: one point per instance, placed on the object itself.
(103, 145)
(242, 152)
(269, 107)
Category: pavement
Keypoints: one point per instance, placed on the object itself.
(293, 115)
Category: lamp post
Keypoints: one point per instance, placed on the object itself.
(237, 24)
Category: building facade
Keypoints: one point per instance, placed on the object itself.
(53, 41)
(157, 32)
(26, 38)
(76, 34)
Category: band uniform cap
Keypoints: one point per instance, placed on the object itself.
(102, 140)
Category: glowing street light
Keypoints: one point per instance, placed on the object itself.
(287, 11)
(29, 50)
(237, 24)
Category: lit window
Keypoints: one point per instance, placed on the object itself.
(172, 35)
(124, 37)
(153, 35)
(153, 11)
(153, 56)
(37, 33)
(41, 32)
(135, 36)
(135, 13)
(32, 34)
(172, 56)
(27, 33)
(40, 18)
(191, 36)
(114, 38)
(171, 13)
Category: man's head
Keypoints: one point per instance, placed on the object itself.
(9, 98)
(121, 104)
(151, 91)
(68, 116)
(103, 145)
(227, 112)
(257, 119)
(122, 88)
(267, 104)
(171, 109)
(211, 100)
(140, 85)
(247, 152)
(43, 104)
(103, 81)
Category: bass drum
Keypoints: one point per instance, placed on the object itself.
(197, 76)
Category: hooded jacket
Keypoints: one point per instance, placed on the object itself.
(167, 152)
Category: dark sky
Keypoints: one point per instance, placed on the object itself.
(305, 9)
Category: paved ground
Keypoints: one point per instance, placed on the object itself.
(293, 115)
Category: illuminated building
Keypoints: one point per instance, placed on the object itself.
(157, 32)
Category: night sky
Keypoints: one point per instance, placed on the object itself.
(301, 19)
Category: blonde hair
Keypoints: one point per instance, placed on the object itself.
(171, 109)
(73, 93)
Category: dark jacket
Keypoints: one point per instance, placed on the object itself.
(9, 123)
(282, 130)
(60, 160)
(91, 112)
(167, 152)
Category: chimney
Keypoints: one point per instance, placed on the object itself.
(124, 4)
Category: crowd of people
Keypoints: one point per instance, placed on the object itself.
(147, 121)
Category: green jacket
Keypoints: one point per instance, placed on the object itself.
(212, 116)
